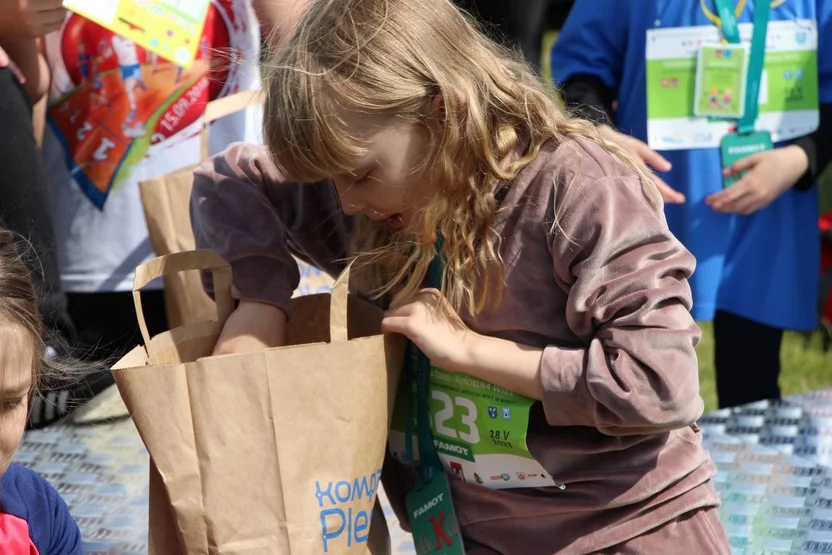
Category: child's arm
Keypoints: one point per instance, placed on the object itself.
(626, 275)
(243, 209)
(628, 302)
(818, 145)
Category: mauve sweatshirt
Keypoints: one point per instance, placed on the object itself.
(592, 276)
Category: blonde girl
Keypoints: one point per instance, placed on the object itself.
(394, 127)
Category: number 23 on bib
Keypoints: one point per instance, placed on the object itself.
(479, 431)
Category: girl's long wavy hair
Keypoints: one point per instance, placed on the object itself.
(380, 62)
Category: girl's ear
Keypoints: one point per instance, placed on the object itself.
(436, 111)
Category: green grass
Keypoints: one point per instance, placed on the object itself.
(805, 366)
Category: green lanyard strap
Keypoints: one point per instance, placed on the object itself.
(730, 29)
(417, 368)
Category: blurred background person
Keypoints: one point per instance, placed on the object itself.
(756, 241)
(24, 206)
(117, 116)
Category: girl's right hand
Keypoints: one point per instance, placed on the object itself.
(648, 156)
(252, 327)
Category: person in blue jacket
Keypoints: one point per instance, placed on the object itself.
(756, 241)
(34, 520)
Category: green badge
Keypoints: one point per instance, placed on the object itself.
(433, 519)
(479, 432)
(721, 73)
(736, 147)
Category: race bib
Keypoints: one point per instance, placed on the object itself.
(479, 431)
(680, 118)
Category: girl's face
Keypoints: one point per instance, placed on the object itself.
(16, 363)
(390, 183)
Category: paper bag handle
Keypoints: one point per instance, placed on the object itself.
(181, 262)
(226, 106)
(338, 307)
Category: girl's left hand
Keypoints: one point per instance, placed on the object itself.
(770, 174)
(434, 326)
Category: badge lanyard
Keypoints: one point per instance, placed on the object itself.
(730, 29)
(727, 19)
(417, 367)
(430, 508)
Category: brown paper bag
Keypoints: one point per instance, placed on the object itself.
(274, 452)
(166, 201)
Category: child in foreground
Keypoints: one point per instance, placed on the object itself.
(33, 517)
(561, 285)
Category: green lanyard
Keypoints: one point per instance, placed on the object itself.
(417, 367)
(730, 29)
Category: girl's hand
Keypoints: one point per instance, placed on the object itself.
(649, 157)
(433, 325)
(252, 327)
(770, 174)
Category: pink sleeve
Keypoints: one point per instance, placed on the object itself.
(628, 300)
(245, 211)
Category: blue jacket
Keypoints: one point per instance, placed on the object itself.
(34, 520)
(763, 267)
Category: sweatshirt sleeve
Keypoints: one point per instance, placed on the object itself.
(818, 145)
(245, 211)
(593, 42)
(66, 536)
(588, 57)
(824, 19)
(628, 301)
(818, 149)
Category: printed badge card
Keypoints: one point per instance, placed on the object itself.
(169, 28)
(721, 74)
